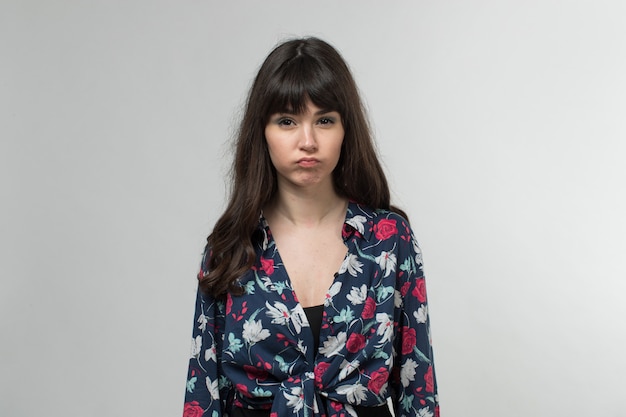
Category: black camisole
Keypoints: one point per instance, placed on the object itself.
(314, 316)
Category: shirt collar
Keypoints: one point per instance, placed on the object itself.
(358, 221)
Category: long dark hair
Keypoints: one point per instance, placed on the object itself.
(293, 73)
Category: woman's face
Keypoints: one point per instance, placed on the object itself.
(305, 148)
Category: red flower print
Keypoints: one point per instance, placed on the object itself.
(405, 288)
(420, 290)
(267, 265)
(385, 228)
(229, 303)
(320, 370)
(262, 364)
(274, 414)
(377, 380)
(345, 231)
(252, 372)
(428, 378)
(408, 340)
(437, 411)
(355, 342)
(283, 339)
(192, 409)
(337, 406)
(243, 390)
(294, 379)
(369, 308)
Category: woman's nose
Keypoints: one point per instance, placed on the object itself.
(308, 141)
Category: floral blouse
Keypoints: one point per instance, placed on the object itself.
(255, 350)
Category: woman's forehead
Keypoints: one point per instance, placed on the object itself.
(304, 105)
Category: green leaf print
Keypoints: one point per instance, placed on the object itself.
(234, 344)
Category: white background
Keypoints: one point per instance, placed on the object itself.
(502, 126)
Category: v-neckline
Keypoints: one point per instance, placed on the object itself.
(337, 275)
(278, 257)
(293, 303)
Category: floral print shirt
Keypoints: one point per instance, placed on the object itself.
(255, 350)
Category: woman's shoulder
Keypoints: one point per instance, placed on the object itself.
(375, 215)
(379, 224)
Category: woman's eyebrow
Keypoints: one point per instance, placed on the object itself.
(323, 111)
(289, 112)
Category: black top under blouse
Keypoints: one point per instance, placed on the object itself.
(314, 316)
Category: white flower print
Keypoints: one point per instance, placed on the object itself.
(352, 265)
(418, 252)
(424, 412)
(196, 347)
(397, 299)
(407, 372)
(279, 312)
(268, 284)
(295, 399)
(332, 291)
(385, 327)
(354, 393)
(202, 319)
(351, 411)
(347, 368)
(301, 347)
(212, 386)
(333, 344)
(254, 332)
(298, 318)
(387, 261)
(358, 223)
(421, 315)
(211, 353)
(265, 240)
(357, 295)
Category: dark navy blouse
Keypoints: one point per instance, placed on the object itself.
(256, 351)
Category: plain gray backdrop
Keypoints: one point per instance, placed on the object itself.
(501, 125)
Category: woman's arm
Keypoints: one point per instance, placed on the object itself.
(413, 377)
(207, 388)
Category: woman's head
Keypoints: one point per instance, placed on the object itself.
(295, 72)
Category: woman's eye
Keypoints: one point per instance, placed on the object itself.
(326, 121)
(285, 122)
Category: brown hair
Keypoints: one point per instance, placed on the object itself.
(293, 73)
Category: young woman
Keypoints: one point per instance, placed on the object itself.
(311, 297)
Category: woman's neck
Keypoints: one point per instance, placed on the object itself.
(306, 209)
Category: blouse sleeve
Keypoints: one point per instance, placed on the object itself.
(207, 388)
(413, 377)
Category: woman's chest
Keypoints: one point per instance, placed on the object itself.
(270, 317)
(311, 267)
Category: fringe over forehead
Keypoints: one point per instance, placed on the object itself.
(298, 71)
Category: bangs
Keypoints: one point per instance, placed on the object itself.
(299, 81)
